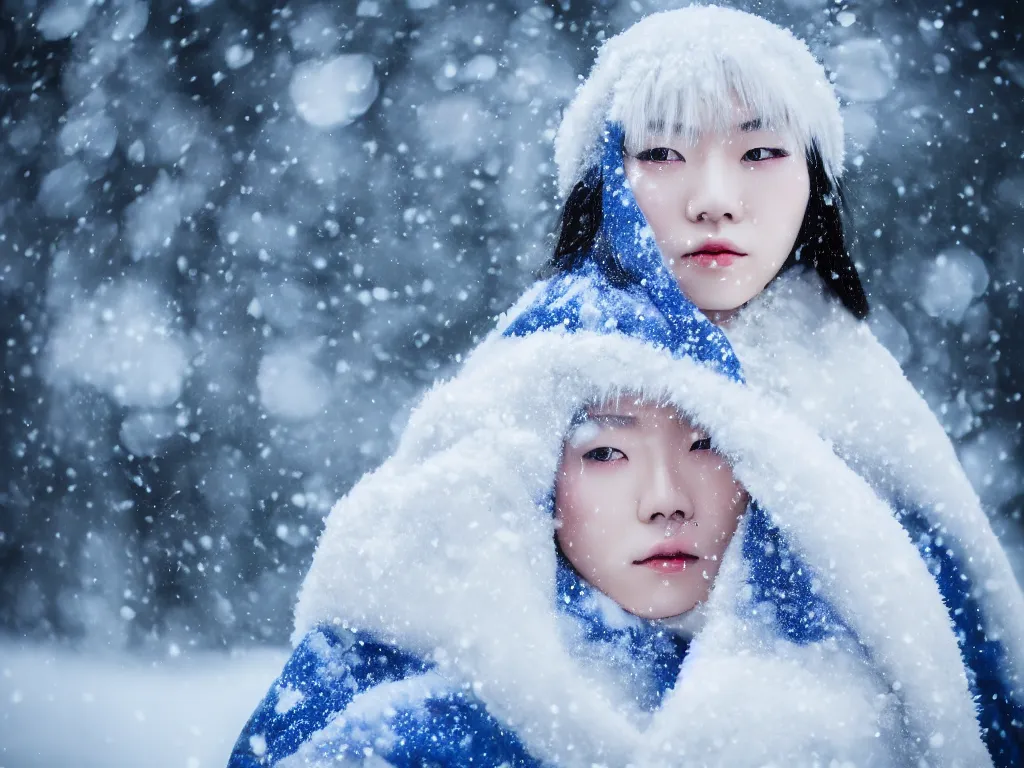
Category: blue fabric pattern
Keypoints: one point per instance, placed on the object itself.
(328, 669)
(651, 308)
(785, 585)
(651, 654)
(324, 672)
(1001, 719)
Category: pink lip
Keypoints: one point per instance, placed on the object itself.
(676, 564)
(715, 253)
(667, 558)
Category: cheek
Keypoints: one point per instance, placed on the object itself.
(574, 507)
(589, 511)
(783, 203)
(724, 504)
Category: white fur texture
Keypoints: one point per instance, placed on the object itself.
(687, 68)
(447, 550)
(805, 353)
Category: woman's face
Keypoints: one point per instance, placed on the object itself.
(644, 507)
(725, 210)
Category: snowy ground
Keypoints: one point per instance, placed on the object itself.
(60, 708)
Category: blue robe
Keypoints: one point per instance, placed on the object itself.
(329, 668)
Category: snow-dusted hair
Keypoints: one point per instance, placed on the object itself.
(689, 69)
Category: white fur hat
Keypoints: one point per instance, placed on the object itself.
(688, 68)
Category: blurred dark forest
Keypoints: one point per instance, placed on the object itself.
(238, 238)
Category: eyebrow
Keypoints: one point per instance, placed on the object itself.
(612, 420)
(604, 420)
(657, 127)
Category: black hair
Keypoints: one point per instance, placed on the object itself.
(820, 243)
(579, 233)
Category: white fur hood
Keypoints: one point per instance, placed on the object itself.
(447, 550)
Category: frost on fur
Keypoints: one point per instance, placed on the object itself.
(449, 487)
(443, 564)
(696, 70)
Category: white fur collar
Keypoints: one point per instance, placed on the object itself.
(803, 351)
(445, 551)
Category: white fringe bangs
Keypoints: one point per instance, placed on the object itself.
(698, 70)
(715, 100)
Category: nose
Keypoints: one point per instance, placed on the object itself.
(714, 193)
(665, 496)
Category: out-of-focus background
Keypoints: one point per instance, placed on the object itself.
(239, 238)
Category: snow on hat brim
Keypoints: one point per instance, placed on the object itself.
(689, 69)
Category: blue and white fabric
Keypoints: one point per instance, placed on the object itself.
(439, 626)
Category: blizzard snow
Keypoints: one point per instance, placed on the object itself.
(122, 342)
(952, 281)
(336, 92)
(238, 240)
(291, 385)
(865, 69)
(63, 18)
(62, 189)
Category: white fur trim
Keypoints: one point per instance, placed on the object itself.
(686, 67)
(806, 353)
(446, 552)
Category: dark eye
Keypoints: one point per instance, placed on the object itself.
(603, 454)
(758, 154)
(658, 155)
(704, 444)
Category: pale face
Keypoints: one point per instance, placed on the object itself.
(644, 507)
(725, 211)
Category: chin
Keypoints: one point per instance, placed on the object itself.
(664, 609)
(721, 297)
(717, 300)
